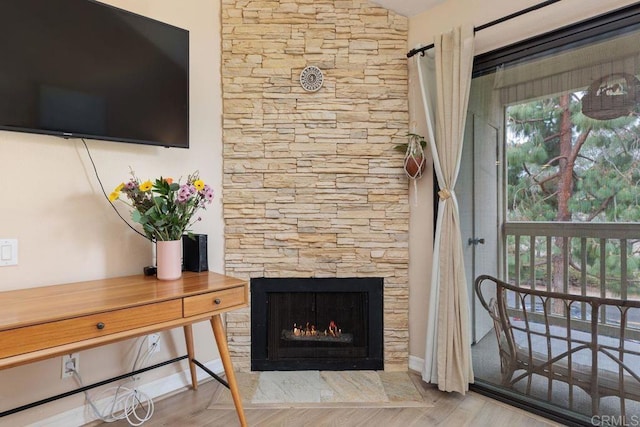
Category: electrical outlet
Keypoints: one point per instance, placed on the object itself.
(70, 363)
(153, 343)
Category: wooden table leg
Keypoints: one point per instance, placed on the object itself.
(188, 337)
(223, 349)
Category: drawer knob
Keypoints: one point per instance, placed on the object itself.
(217, 301)
(100, 325)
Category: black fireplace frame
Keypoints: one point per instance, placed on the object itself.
(261, 287)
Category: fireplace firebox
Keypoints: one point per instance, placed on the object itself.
(316, 324)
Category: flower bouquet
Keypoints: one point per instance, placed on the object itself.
(164, 208)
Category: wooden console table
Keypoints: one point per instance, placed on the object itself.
(44, 322)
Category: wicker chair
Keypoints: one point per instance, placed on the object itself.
(562, 337)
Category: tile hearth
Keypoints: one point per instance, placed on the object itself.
(315, 386)
(303, 388)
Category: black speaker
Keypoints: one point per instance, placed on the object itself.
(194, 253)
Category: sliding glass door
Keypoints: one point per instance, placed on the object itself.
(549, 196)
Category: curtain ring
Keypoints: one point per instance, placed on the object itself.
(444, 194)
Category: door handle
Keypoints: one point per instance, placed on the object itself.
(475, 241)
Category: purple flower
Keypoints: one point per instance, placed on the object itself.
(184, 194)
(207, 192)
(131, 185)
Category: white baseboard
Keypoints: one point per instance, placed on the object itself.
(82, 415)
(416, 363)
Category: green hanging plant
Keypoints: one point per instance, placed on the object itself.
(403, 147)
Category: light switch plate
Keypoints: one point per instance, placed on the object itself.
(8, 252)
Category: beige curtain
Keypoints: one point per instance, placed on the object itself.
(448, 348)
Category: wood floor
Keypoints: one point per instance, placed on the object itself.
(189, 409)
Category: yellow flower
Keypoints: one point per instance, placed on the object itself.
(115, 194)
(199, 184)
(145, 186)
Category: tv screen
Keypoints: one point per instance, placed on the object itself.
(80, 68)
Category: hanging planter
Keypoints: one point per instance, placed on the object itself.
(414, 158)
(414, 164)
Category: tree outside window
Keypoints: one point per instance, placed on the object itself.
(565, 166)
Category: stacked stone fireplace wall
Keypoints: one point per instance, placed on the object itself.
(312, 184)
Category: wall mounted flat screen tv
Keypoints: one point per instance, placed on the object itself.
(80, 68)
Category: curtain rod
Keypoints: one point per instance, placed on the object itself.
(422, 49)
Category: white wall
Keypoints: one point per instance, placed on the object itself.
(52, 203)
(422, 29)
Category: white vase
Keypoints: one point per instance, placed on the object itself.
(169, 259)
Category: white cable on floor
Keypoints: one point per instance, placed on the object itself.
(127, 402)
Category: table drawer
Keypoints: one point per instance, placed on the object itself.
(52, 334)
(214, 301)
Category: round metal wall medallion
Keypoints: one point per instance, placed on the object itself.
(311, 78)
